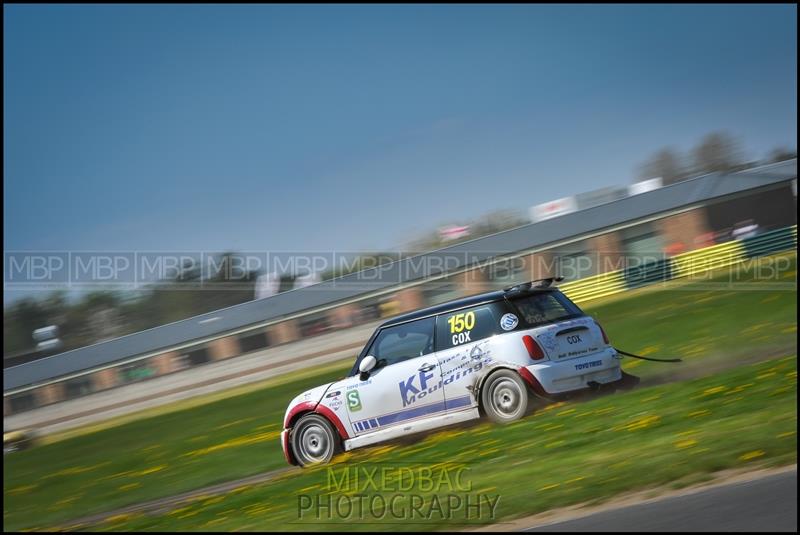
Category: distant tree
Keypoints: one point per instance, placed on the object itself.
(286, 283)
(496, 221)
(57, 306)
(364, 261)
(665, 163)
(717, 152)
(232, 284)
(191, 271)
(781, 154)
(19, 322)
(91, 319)
(491, 223)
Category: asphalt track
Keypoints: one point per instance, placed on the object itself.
(765, 504)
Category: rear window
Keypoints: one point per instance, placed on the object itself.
(540, 308)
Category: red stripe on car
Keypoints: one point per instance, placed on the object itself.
(300, 407)
(534, 383)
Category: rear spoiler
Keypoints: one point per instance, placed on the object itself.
(538, 284)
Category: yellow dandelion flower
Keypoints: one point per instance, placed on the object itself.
(188, 514)
(650, 350)
(642, 423)
(151, 470)
(212, 501)
(605, 410)
(751, 455)
(124, 517)
(22, 489)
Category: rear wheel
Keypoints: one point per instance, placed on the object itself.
(314, 440)
(504, 397)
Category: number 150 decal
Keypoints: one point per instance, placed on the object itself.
(460, 327)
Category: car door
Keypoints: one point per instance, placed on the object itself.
(462, 350)
(405, 385)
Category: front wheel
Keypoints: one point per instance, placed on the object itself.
(504, 397)
(314, 440)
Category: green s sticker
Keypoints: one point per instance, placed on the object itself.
(353, 401)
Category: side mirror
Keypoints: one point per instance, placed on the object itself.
(367, 364)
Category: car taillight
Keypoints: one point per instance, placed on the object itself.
(533, 348)
(605, 337)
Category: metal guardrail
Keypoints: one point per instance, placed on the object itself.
(595, 287)
(706, 259)
(771, 242)
(682, 265)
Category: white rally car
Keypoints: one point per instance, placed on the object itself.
(486, 354)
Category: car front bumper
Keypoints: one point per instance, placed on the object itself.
(287, 451)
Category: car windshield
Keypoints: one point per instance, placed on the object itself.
(540, 308)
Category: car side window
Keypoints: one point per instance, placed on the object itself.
(402, 342)
(467, 325)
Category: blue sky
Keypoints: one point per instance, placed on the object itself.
(296, 128)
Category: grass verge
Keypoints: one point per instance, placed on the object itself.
(566, 454)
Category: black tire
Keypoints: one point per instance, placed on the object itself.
(504, 397)
(314, 440)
